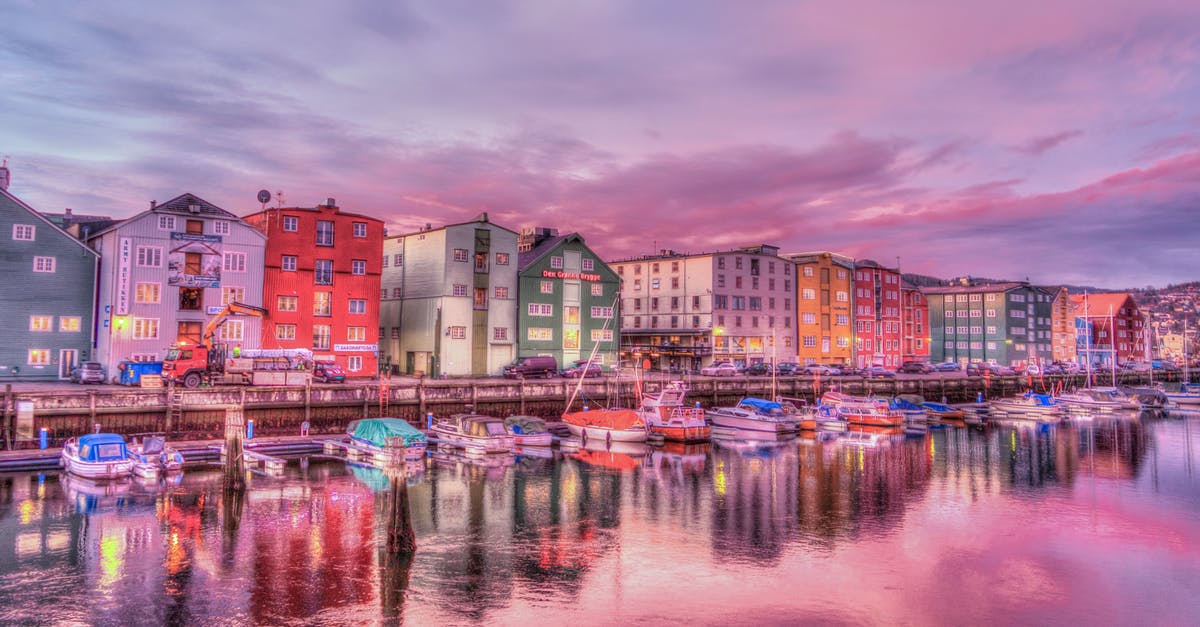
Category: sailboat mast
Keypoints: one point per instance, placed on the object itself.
(1087, 337)
(1112, 344)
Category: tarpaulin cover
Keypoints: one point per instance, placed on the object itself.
(605, 418)
(525, 425)
(761, 405)
(376, 431)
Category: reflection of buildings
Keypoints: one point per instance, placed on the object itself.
(754, 509)
(1112, 448)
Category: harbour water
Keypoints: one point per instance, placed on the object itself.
(1092, 522)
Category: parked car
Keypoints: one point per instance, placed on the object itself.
(822, 369)
(878, 372)
(947, 366)
(581, 367)
(1164, 365)
(532, 366)
(788, 368)
(759, 369)
(981, 368)
(915, 367)
(326, 371)
(1134, 366)
(723, 369)
(88, 372)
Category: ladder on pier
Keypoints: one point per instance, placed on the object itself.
(174, 407)
(385, 381)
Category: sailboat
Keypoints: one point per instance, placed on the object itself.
(609, 425)
(1189, 393)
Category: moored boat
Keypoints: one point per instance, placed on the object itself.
(665, 414)
(862, 410)
(1097, 399)
(528, 431)
(943, 411)
(1030, 406)
(152, 457)
(755, 414)
(377, 438)
(475, 433)
(608, 425)
(1188, 394)
(97, 456)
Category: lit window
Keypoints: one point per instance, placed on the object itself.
(285, 331)
(39, 357)
(597, 289)
(540, 334)
(69, 324)
(547, 287)
(287, 303)
(145, 328)
(321, 334)
(322, 304)
(356, 334)
(41, 323)
(501, 292)
(233, 294)
(147, 293)
(458, 333)
(502, 259)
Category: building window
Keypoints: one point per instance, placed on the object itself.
(166, 223)
(358, 305)
(547, 287)
(395, 333)
(149, 256)
(397, 292)
(654, 284)
(808, 294)
(808, 318)
(43, 264)
(285, 331)
(147, 293)
(458, 333)
(356, 334)
(541, 309)
(358, 266)
(69, 324)
(501, 292)
(191, 298)
(233, 294)
(481, 262)
(322, 303)
(460, 254)
(501, 260)
(145, 328)
(321, 334)
(590, 265)
(360, 229)
(41, 323)
(286, 303)
(220, 227)
(500, 334)
(38, 357)
(288, 263)
(386, 259)
(808, 271)
(233, 330)
(398, 259)
(597, 289)
(23, 232)
(602, 312)
(324, 233)
(556, 263)
(810, 341)
(602, 335)
(323, 272)
(291, 224)
(540, 334)
(481, 298)
(354, 363)
(459, 289)
(674, 282)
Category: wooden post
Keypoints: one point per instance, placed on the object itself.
(308, 401)
(521, 383)
(235, 429)
(400, 536)
(366, 399)
(8, 416)
(421, 398)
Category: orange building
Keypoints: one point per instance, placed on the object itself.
(824, 284)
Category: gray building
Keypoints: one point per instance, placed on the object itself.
(48, 298)
(449, 300)
(1003, 323)
(165, 272)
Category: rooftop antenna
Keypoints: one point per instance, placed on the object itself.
(279, 199)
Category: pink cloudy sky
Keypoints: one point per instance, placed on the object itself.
(1058, 141)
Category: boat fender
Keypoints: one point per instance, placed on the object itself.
(608, 438)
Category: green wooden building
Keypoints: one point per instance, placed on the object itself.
(569, 300)
(1002, 323)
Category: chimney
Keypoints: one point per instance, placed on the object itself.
(153, 204)
(4, 176)
(329, 202)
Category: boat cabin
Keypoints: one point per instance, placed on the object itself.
(102, 447)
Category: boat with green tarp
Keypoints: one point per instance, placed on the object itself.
(377, 437)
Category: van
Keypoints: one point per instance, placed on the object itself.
(534, 366)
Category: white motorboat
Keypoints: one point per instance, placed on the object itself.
(1098, 399)
(153, 458)
(665, 414)
(97, 456)
(474, 433)
(755, 414)
(1039, 407)
(1188, 394)
(528, 431)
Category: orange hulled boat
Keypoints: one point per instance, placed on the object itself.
(862, 410)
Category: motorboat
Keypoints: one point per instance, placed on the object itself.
(97, 456)
(755, 414)
(1098, 399)
(474, 433)
(1029, 406)
(380, 442)
(861, 410)
(528, 431)
(1188, 394)
(911, 406)
(1147, 398)
(943, 411)
(607, 425)
(153, 458)
(665, 414)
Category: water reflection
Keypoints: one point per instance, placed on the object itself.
(562, 535)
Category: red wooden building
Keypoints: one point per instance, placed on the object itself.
(1116, 326)
(321, 283)
(876, 315)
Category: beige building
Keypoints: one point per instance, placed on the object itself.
(683, 312)
(1062, 325)
(824, 314)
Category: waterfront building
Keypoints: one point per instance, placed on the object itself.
(683, 311)
(1062, 323)
(1007, 323)
(914, 320)
(1111, 329)
(449, 299)
(321, 283)
(877, 310)
(48, 298)
(568, 299)
(824, 325)
(166, 271)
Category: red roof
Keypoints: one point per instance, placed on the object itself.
(1101, 304)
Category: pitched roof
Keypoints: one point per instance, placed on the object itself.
(18, 202)
(1089, 305)
(975, 289)
(481, 218)
(530, 257)
(179, 205)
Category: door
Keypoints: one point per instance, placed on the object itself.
(67, 360)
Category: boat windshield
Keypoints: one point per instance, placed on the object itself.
(496, 428)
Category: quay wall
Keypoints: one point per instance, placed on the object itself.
(199, 413)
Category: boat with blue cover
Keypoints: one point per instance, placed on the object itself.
(377, 438)
(1029, 406)
(755, 414)
(97, 456)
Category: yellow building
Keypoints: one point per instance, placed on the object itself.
(824, 307)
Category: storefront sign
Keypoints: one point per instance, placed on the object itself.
(355, 348)
(124, 262)
(559, 274)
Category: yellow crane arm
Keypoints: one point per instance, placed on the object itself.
(232, 309)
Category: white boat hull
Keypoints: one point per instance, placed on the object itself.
(607, 435)
(1184, 399)
(482, 445)
(97, 470)
(382, 458)
(533, 439)
(751, 423)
